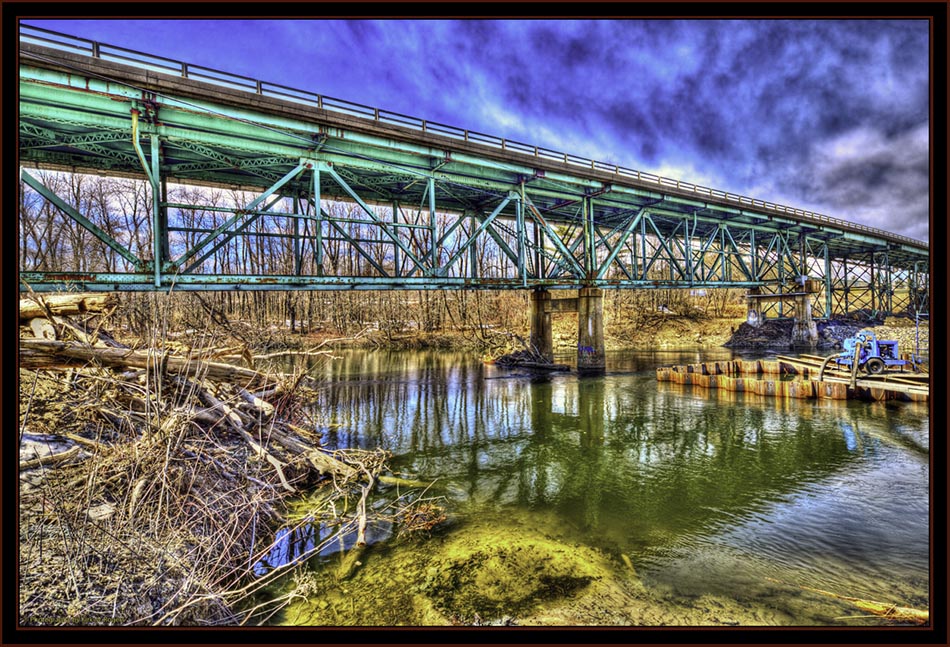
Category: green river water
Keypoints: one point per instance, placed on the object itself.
(618, 500)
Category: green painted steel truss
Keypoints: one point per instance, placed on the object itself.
(248, 191)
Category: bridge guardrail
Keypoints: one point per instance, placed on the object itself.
(104, 51)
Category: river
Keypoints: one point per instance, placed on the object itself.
(707, 495)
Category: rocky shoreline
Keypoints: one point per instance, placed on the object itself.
(776, 334)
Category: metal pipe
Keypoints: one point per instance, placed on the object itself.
(158, 224)
(156, 239)
(137, 145)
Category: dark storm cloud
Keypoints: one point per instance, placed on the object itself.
(829, 115)
(885, 176)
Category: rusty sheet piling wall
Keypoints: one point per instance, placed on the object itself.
(771, 378)
(426, 205)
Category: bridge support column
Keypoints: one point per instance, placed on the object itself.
(590, 331)
(542, 338)
(754, 313)
(805, 331)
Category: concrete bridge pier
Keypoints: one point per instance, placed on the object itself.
(591, 357)
(805, 331)
(589, 306)
(754, 312)
(542, 339)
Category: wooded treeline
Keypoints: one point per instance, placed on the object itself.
(283, 243)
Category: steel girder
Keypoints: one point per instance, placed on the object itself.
(290, 202)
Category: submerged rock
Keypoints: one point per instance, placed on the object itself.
(482, 578)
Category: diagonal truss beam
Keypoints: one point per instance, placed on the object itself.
(475, 234)
(546, 230)
(627, 231)
(42, 189)
(255, 215)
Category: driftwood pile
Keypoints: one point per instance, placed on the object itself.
(153, 479)
(528, 358)
(219, 397)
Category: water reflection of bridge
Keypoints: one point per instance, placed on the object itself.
(606, 450)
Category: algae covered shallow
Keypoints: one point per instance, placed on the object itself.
(483, 569)
(620, 501)
(509, 568)
(520, 568)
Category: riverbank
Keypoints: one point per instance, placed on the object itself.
(655, 332)
(658, 332)
(776, 334)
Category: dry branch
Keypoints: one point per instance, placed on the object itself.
(50, 459)
(95, 338)
(886, 610)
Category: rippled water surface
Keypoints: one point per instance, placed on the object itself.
(707, 492)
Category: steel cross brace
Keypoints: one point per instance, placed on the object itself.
(627, 231)
(738, 254)
(443, 270)
(239, 215)
(661, 239)
(254, 216)
(546, 230)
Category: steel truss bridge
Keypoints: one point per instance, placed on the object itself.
(309, 181)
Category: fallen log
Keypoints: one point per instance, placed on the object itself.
(69, 353)
(262, 405)
(326, 464)
(66, 304)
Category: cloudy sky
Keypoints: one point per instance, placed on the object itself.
(825, 115)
